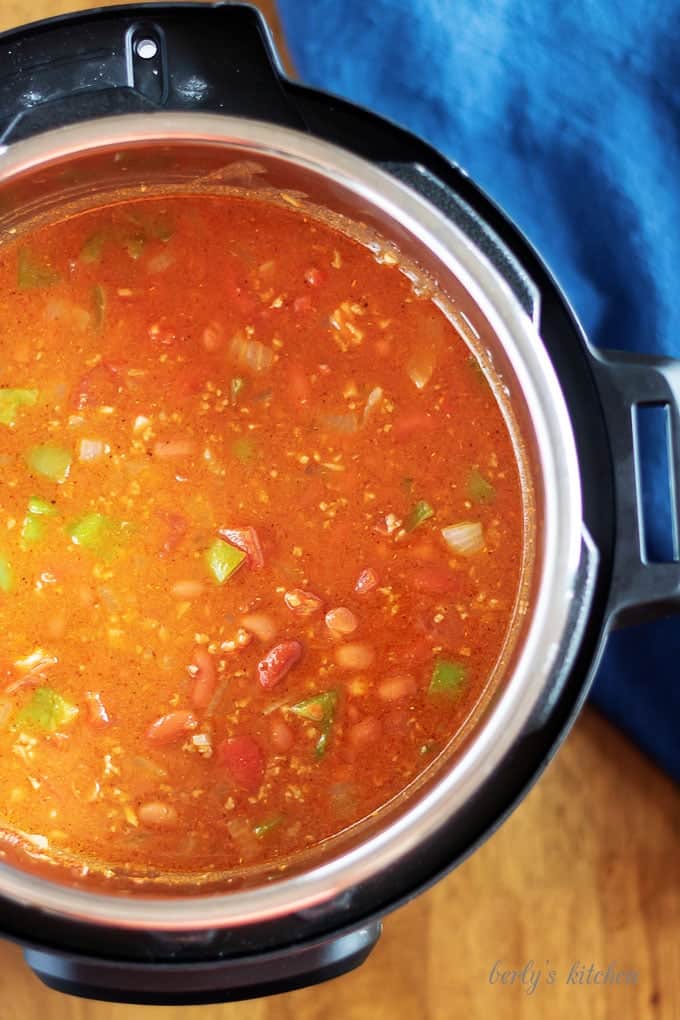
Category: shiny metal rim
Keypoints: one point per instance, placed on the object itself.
(561, 526)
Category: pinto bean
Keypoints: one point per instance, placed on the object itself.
(341, 621)
(204, 678)
(355, 655)
(364, 733)
(396, 687)
(187, 590)
(281, 736)
(156, 814)
(171, 727)
(261, 625)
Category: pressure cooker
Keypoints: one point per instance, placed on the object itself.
(187, 91)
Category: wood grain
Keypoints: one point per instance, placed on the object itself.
(586, 870)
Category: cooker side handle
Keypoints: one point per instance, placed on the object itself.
(641, 589)
(203, 981)
(216, 58)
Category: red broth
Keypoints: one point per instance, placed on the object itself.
(261, 534)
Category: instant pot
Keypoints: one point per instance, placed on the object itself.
(179, 96)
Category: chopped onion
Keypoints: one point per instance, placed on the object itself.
(6, 710)
(150, 766)
(90, 449)
(41, 842)
(71, 314)
(420, 367)
(239, 830)
(465, 538)
(159, 263)
(275, 706)
(340, 422)
(250, 353)
(140, 423)
(373, 401)
(36, 660)
(203, 744)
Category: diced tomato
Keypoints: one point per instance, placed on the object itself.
(366, 581)
(97, 384)
(432, 580)
(277, 662)
(302, 305)
(171, 726)
(204, 678)
(96, 712)
(242, 758)
(314, 277)
(408, 425)
(245, 539)
(177, 528)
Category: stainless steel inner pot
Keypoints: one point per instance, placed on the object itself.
(82, 164)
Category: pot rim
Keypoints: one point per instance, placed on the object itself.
(561, 525)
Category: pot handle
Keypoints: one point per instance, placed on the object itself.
(199, 57)
(200, 982)
(641, 589)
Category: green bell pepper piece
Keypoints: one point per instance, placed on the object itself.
(265, 827)
(6, 574)
(32, 274)
(319, 709)
(447, 678)
(11, 400)
(421, 512)
(51, 461)
(223, 560)
(98, 533)
(46, 710)
(479, 489)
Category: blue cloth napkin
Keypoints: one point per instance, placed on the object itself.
(568, 114)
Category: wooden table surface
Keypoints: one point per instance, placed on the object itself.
(586, 871)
